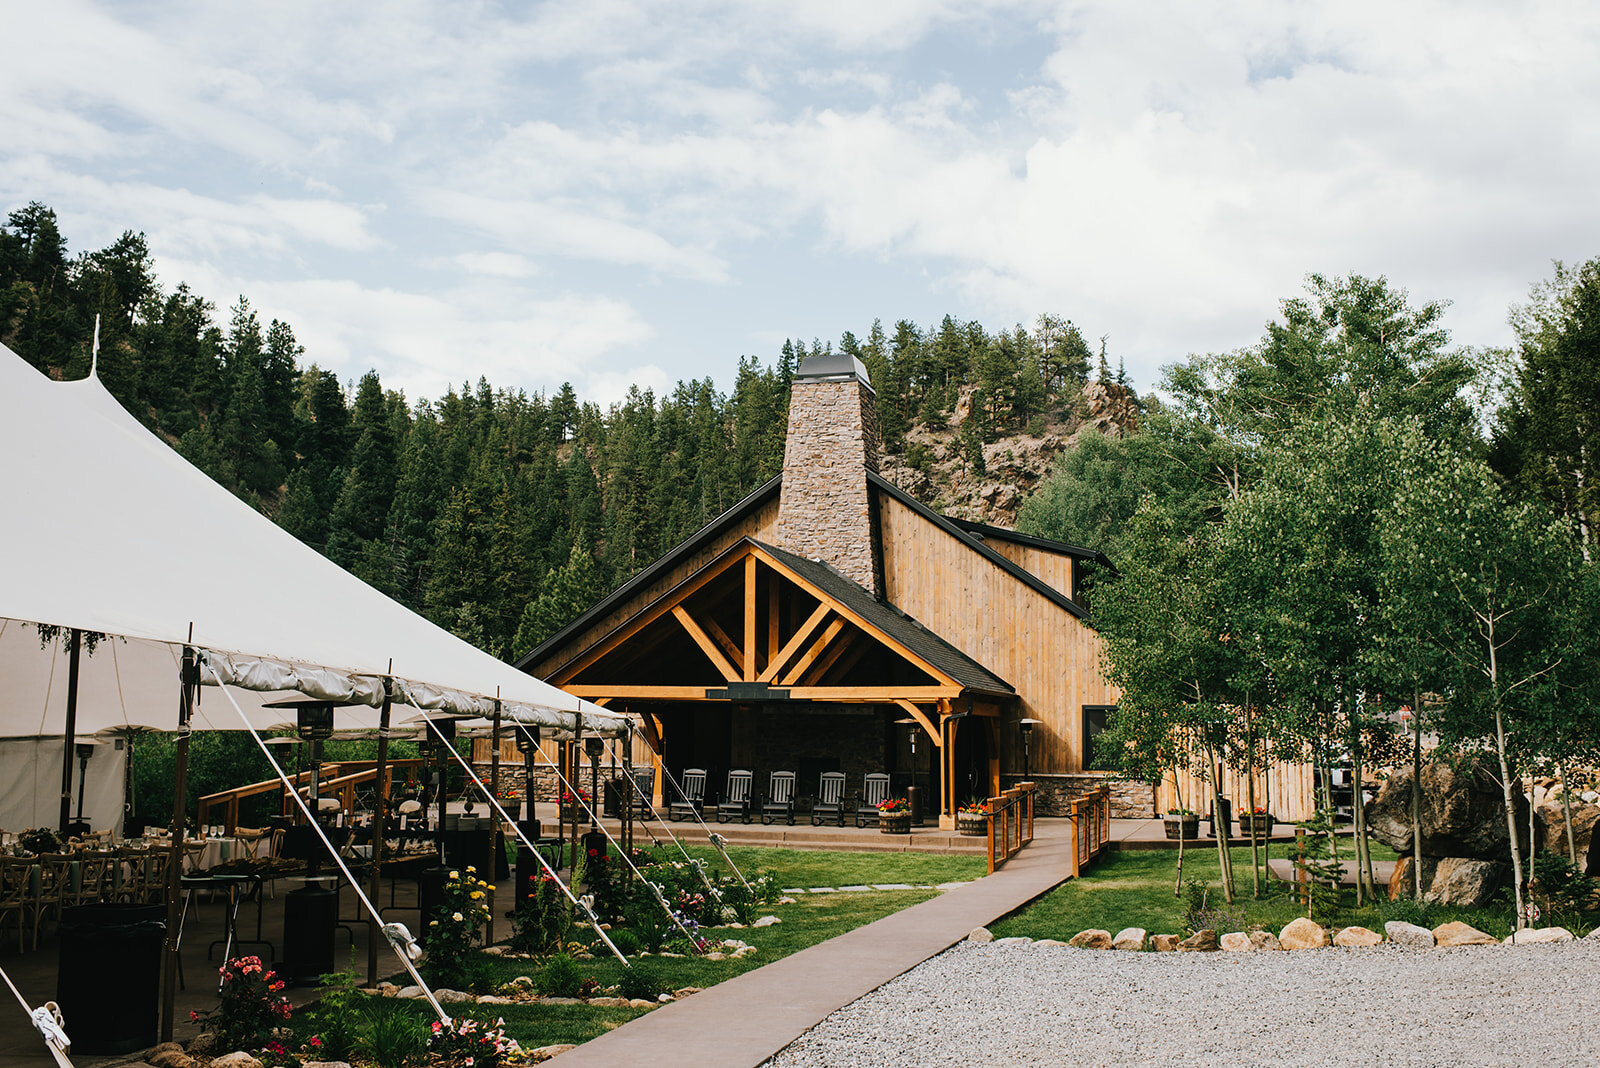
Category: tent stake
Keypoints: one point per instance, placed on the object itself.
(380, 805)
(73, 647)
(188, 676)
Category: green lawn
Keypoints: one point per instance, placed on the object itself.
(1134, 888)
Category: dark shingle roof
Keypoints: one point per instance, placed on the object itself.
(928, 646)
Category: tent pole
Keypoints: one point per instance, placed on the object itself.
(380, 806)
(492, 869)
(75, 643)
(188, 676)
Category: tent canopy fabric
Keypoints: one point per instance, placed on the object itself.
(112, 532)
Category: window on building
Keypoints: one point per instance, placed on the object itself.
(1094, 722)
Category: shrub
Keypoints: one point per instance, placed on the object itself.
(1561, 889)
(454, 927)
(250, 1004)
(1198, 915)
(468, 1043)
(559, 977)
(648, 922)
(395, 1039)
(542, 920)
(627, 942)
(1407, 910)
(339, 1015)
(639, 982)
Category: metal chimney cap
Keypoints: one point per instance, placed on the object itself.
(832, 367)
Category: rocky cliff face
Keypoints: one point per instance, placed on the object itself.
(933, 468)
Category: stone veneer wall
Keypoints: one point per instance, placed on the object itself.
(779, 739)
(1129, 799)
(824, 511)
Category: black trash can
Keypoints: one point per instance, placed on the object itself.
(310, 916)
(122, 943)
(1227, 819)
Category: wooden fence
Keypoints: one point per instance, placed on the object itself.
(339, 780)
(1091, 826)
(1010, 823)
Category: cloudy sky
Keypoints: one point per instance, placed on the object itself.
(612, 192)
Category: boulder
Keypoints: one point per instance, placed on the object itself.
(324, 1064)
(1408, 934)
(1551, 824)
(1014, 940)
(1264, 940)
(1237, 942)
(1166, 943)
(1048, 942)
(1130, 939)
(1463, 882)
(1199, 942)
(1456, 933)
(1529, 936)
(409, 992)
(1303, 934)
(980, 934)
(236, 1059)
(1463, 812)
(1357, 936)
(1091, 939)
(445, 996)
(203, 1045)
(766, 921)
(162, 1057)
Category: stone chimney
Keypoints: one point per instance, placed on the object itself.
(824, 512)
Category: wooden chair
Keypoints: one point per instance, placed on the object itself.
(15, 883)
(874, 788)
(644, 788)
(780, 798)
(55, 884)
(829, 802)
(94, 877)
(694, 796)
(735, 803)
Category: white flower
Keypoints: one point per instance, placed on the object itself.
(456, 916)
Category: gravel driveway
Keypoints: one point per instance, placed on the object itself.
(1023, 1004)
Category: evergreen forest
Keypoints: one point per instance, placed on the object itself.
(497, 512)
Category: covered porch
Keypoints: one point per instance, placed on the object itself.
(765, 661)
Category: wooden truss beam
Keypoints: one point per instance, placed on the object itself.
(921, 717)
(819, 670)
(794, 674)
(750, 618)
(781, 658)
(707, 646)
(837, 694)
(720, 636)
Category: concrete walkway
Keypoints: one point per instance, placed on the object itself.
(747, 1019)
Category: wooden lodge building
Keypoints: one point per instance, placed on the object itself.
(796, 629)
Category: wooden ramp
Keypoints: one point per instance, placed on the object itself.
(749, 1018)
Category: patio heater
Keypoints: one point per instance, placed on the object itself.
(311, 913)
(595, 840)
(1027, 724)
(913, 792)
(528, 746)
(83, 750)
(438, 735)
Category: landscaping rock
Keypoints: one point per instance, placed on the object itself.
(409, 992)
(1552, 822)
(664, 998)
(493, 999)
(544, 1053)
(169, 1058)
(168, 1055)
(766, 921)
(521, 980)
(561, 1001)
(1529, 936)
(1264, 940)
(715, 956)
(1463, 812)
(324, 1064)
(1303, 934)
(1091, 939)
(446, 996)
(1058, 942)
(1408, 934)
(1131, 939)
(236, 1059)
(493, 951)
(685, 991)
(980, 934)
(1014, 940)
(1199, 942)
(1462, 882)
(202, 1045)
(1357, 936)
(609, 1003)
(1237, 942)
(1456, 933)
(1164, 943)
(745, 951)
(641, 1003)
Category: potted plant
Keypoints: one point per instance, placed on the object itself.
(39, 840)
(972, 819)
(575, 807)
(510, 799)
(894, 816)
(1257, 823)
(1182, 824)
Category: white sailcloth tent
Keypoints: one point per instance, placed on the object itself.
(110, 531)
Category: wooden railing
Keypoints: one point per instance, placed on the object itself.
(1091, 826)
(339, 780)
(1010, 823)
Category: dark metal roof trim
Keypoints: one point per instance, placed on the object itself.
(984, 530)
(757, 497)
(949, 526)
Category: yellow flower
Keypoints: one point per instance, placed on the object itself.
(455, 875)
(491, 888)
(471, 869)
(476, 894)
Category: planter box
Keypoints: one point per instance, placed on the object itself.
(1262, 825)
(972, 826)
(1187, 828)
(894, 823)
